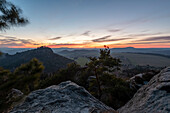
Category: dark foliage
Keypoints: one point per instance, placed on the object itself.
(25, 78)
(10, 15)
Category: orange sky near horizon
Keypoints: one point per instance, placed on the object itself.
(96, 46)
(91, 24)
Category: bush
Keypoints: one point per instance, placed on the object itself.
(115, 91)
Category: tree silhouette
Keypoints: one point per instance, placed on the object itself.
(10, 15)
(104, 64)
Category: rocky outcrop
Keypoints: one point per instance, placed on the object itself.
(15, 94)
(67, 97)
(141, 79)
(153, 97)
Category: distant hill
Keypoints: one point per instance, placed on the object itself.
(143, 59)
(90, 52)
(50, 60)
(162, 51)
(13, 51)
(79, 53)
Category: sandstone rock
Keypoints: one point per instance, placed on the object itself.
(153, 97)
(67, 97)
(136, 81)
(14, 95)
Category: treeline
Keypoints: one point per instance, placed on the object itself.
(97, 77)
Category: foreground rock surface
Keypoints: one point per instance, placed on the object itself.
(67, 97)
(153, 97)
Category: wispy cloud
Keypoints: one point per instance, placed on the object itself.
(158, 42)
(145, 34)
(101, 39)
(105, 39)
(11, 44)
(4, 36)
(56, 38)
(10, 41)
(128, 23)
(156, 38)
(112, 40)
(68, 44)
(23, 41)
(150, 41)
(114, 30)
(86, 33)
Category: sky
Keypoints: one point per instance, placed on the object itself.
(91, 24)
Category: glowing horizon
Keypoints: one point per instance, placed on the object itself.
(91, 24)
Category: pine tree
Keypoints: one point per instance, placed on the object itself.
(10, 15)
(105, 63)
(28, 75)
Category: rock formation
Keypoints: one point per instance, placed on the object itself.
(153, 97)
(15, 94)
(67, 97)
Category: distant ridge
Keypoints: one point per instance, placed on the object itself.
(50, 60)
(162, 51)
(79, 53)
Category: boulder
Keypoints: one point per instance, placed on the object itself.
(14, 95)
(153, 97)
(136, 81)
(67, 97)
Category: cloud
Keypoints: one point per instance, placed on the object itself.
(114, 30)
(145, 31)
(156, 38)
(86, 33)
(56, 38)
(24, 41)
(11, 44)
(105, 39)
(67, 44)
(163, 42)
(129, 23)
(7, 36)
(145, 34)
(9, 41)
(111, 40)
(152, 40)
(36, 44)
(101, 39)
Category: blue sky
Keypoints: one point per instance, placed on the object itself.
(117, 23)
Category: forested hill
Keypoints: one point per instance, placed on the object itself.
(50, 60)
